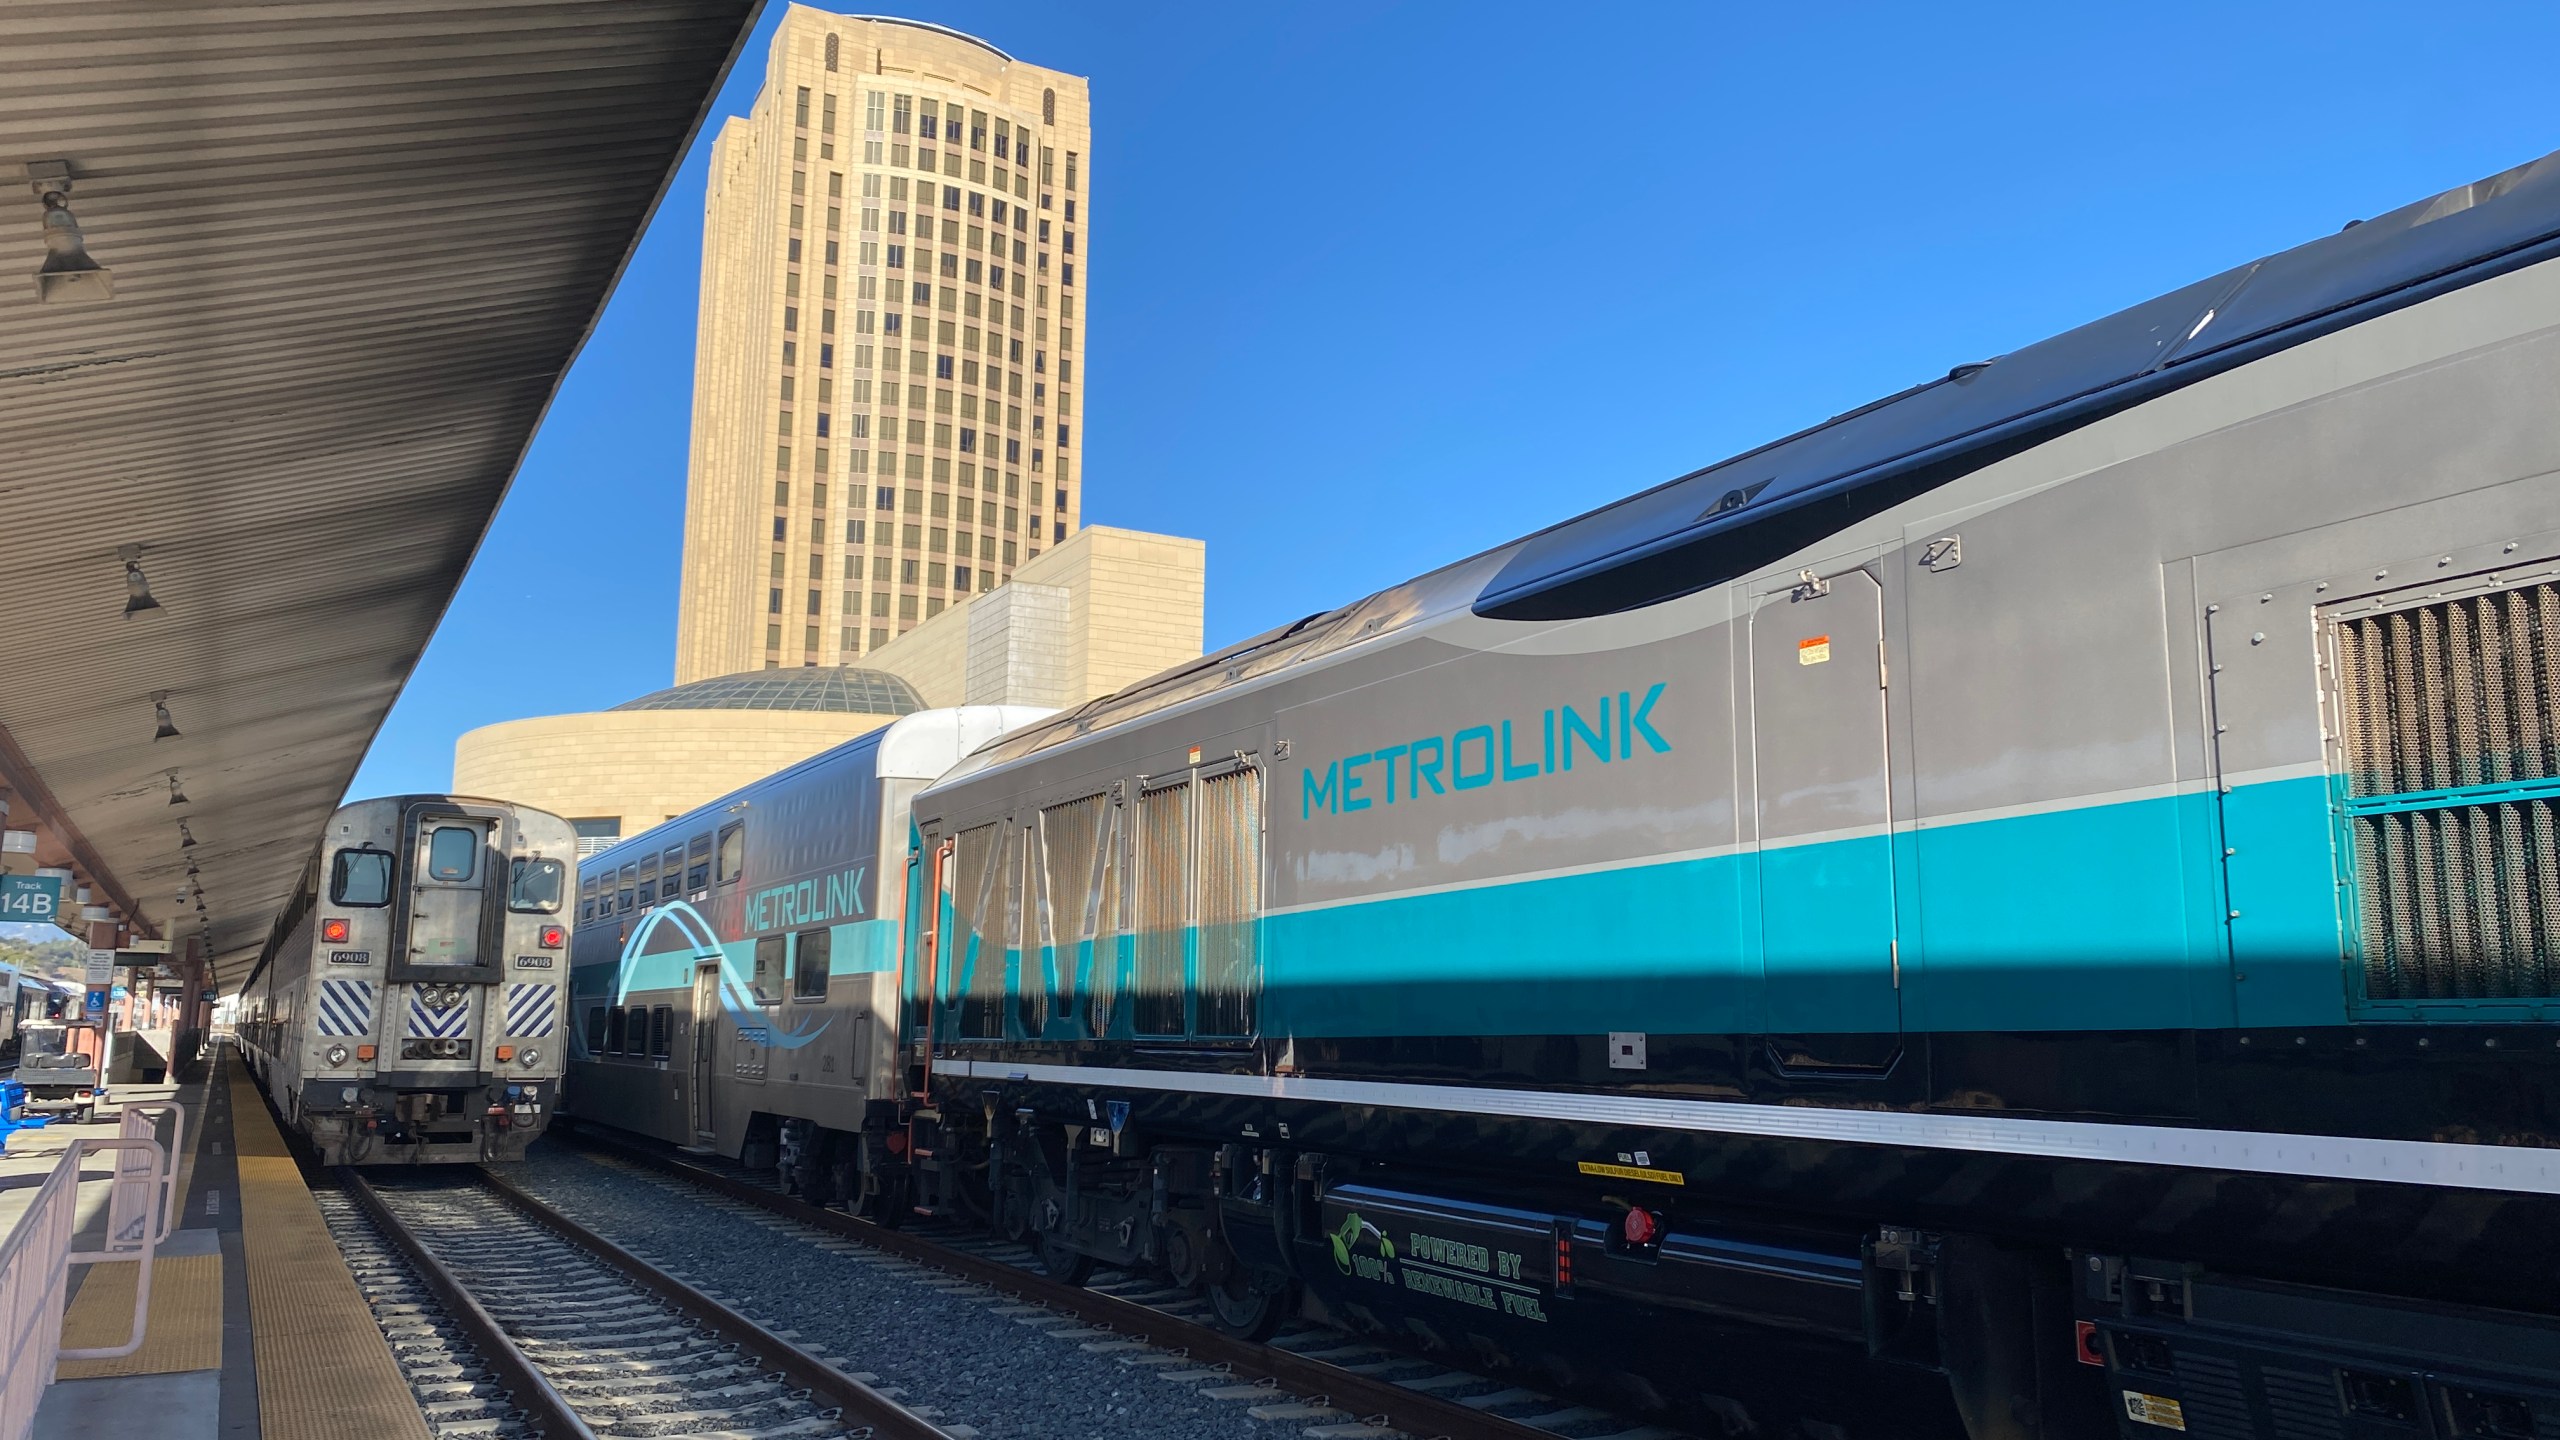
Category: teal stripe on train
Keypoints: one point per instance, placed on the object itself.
(2101, 917)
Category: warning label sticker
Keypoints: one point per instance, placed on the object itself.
(1630, 1172)
(2157, 1410)
(1813, 651)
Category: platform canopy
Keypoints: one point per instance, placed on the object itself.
(353, 246)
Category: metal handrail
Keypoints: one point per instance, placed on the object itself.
(33, 1267)
(151, 1236)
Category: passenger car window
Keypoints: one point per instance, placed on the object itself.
(534, 887)
(453, 853)
(628, 872)
(613, 1031)
(733, 851)
(671, 877)
(809, 965)
(662, 1029)
(698, 876)
(360, 877)
(595, 1030)
(768, 978)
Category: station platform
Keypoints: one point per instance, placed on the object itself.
(257, 1330)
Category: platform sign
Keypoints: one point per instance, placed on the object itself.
(102, 967)
(30, 898)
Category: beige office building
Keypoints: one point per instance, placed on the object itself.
(888, 386)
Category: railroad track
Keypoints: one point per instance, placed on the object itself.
(514, 1320)
(1339, 1384)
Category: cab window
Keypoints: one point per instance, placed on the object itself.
(733, 851)
(361, 877)
(535, 886)
(453, 853)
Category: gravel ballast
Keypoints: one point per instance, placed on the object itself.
(938, 1343)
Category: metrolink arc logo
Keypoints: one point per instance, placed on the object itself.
(704, 944)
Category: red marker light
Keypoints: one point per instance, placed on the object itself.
(2085, 1334)
(1641, 1227)
(333, 932)
(553, 937)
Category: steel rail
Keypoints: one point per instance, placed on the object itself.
(861, 1405)
(516, 1370)
(1417, 1414)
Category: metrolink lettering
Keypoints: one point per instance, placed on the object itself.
(807, 902)
(1481, 755)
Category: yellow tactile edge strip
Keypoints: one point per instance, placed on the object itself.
(324, 1370)
(186, 1318)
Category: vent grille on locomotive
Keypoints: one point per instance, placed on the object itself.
(2451, 793)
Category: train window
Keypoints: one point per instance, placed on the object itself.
(662, 1031)
(615, 1020)
(648, 878)
(733, 851)
(697, 876)
(768, 978)
(622, 900)
(453, 853)
(671, 875)
(809, 964)
(596, 1019)
(534, 886)
(586, 899)
(361, 877)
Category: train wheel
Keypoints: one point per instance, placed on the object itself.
(1244, 1308)
(1062, 1262)
(810, 1178)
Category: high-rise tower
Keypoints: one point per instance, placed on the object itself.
(887, 382)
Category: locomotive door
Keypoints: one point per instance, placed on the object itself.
(1830, 953)
(448, 890)
(706, 1046)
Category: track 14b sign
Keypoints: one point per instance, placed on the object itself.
(28, 899)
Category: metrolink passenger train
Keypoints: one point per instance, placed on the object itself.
(407, 1009)
(2031, 908)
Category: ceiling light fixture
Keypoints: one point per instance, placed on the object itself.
(68, 274)
(186, 837)
(177, 796)
(137, 586)
(160, 711)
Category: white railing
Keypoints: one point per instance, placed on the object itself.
(36, 1258)
(34, 1262)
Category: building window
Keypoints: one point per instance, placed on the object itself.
(773, 601)
(781, 527)
(1048, 107)
(884, 497)
(853, 530)
(831, 65)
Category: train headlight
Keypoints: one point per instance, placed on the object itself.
(528, 1057)
(335, 1055)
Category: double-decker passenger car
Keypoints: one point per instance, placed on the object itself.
(736, 967)
(2033, 904)
(409, 1009)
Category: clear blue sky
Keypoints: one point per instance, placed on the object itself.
(1375, 286)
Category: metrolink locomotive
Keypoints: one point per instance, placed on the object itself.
(407, 1009)
(2030, 909)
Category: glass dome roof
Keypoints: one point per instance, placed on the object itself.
(835, 689)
